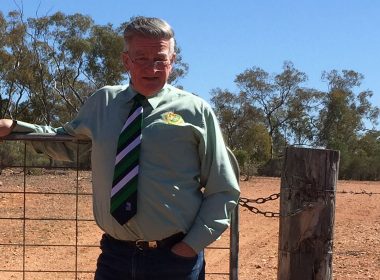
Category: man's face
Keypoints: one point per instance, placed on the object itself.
(149, 63)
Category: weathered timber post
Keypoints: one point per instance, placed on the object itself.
(307, 212)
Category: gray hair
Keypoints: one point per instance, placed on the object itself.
(148, 27)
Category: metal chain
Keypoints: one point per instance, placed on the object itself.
(244, 202)
(261, 200)
(255, 210)
(269, 214)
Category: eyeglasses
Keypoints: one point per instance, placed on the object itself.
(158, 65)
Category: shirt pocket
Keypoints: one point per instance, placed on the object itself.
(160, 133)
(171, 145)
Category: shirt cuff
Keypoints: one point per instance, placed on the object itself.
(200, 237)
(14, 123)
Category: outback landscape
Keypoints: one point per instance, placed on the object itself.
(47, 230)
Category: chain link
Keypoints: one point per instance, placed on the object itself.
(269, 214)
(244, 202)
(261, 200)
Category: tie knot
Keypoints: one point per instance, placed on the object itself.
(139, 98)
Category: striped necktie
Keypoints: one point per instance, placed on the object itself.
(125, 179)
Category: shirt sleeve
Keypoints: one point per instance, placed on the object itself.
(63, 151)
(221, 188)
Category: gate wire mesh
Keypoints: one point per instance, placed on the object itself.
(46, 234)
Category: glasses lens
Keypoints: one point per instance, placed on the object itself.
(161, 65)
(144, 62)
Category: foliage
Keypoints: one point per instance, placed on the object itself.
(235, 115)
(50, 65)
(11, 154)
(17, 154)
(342, 119)
(363, 162)
(281, 100)
(272, 111)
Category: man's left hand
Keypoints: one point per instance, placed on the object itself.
(183, 250)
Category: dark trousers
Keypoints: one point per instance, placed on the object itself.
(119, 261)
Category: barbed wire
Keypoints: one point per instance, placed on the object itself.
(361, 192)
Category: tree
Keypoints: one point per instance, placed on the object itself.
(104, 65)
(280, 98)
(180, 68)
(235, 115)
(369, 145)
(300, 128)
(51, 64)
(363, 161)
(44, 67)
(256, 141)
(14, 65)
(243, 129)
(342, 122)
(343, 117)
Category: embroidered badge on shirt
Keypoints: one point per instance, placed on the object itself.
(172, 118)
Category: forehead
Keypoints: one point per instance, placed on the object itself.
(139, 44)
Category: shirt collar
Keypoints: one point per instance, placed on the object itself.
(153, 100)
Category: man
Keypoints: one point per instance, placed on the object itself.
(184, 184)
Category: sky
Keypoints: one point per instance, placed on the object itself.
(221, 39)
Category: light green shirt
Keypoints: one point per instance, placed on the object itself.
(186, 182)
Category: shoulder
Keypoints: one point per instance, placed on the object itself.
(182, 93)
(109, 92)
(108, 96)
(189, 98)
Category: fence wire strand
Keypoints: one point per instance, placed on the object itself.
(76, 270)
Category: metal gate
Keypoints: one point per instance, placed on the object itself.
(36, 242)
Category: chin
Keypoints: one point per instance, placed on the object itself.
(150, 90)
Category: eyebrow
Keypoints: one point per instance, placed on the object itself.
(163, 53)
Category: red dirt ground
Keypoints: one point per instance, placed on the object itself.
(356, 237)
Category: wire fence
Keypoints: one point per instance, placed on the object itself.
(47, 230)
(44, 220)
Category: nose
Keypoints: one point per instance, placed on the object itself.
(155, 65)
(152, 69)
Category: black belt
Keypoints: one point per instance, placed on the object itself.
(144, 245)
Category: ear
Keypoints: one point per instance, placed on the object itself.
(172, 61)
(125, 59)
(173, 58)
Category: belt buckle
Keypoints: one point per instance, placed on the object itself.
(152, 244)
(141, 244)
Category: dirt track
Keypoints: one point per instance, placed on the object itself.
(356, 242)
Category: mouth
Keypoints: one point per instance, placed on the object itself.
(150, 79)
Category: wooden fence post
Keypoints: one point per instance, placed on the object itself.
(307, 212)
